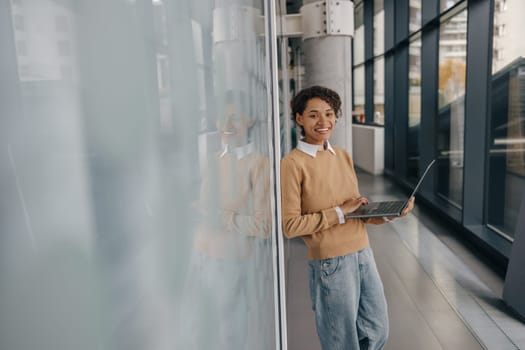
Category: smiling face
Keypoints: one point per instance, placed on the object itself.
(233, 126)
(317, 120)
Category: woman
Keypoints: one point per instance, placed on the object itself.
(222, 294)
(318, 187)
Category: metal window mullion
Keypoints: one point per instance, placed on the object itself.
(274, 155)
(368, 13)
(477, 115)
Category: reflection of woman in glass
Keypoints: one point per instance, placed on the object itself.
(233, 216)
(318, 187)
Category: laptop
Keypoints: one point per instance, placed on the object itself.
(388, 208)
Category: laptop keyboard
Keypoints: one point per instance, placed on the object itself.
(389, 207)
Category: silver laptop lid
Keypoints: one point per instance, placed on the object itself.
(420, 181)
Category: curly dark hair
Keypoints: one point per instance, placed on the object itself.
(298, 103)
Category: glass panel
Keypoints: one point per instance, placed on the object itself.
(451, 102)
(415, 15)
(379, 90)
(446, 4)
(414, 108)
(379, 28)
(359, 34)
(135, 176)
(506, 182)
(359, 94)
(286, 61)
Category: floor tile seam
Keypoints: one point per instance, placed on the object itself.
(444, 293)
(468, 315)
(482, 304)
(466, 272)
(476, 280)
(451, 241)
(420, 311)
(422, 314)
(469, 276)
(445, 296)
(442, 257)
(470, 295)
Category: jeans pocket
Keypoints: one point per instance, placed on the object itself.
(329, 266)
(366, 260)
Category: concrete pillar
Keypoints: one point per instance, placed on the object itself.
(328, 62)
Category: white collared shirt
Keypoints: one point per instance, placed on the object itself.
(311, 150)
(240, 152)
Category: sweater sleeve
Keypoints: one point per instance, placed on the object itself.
(256, 224)
(294, 223)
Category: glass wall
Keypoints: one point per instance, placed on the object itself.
(446, 4)
(359, 94)
(358, 62)
(415, 15)
(414, 108)
(379, 27)
(477, 131)
(379, 62)
(359, 33)
(135, 176)
(506, 157)
(379, 90)
(451, 107)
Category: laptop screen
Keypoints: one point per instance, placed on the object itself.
(420, 181)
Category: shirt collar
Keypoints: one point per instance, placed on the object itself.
(311, 150)
(240, 152)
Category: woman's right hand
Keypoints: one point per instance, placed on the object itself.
(352, 205)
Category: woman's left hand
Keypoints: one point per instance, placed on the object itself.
(409, 207)
(407, 210)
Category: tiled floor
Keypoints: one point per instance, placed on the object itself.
(439, 295)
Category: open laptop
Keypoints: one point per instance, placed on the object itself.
(389, 208)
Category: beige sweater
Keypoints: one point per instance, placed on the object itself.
(311, 188)
(234, 205)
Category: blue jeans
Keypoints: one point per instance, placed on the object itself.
(349, 302)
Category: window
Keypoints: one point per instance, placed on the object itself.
(21, 48)
(379, 28)
(107, 163)
(61, 24)
(64, 48)
(500, 56)
(414, 109)
(379, 90)
(446, 4)
(19, 22)
(415, 15)
(358, 41)
(501, 30)
(451, 110)
(163, 77)
(501, 6)
(66, 71)
(506, 154)
(359, 34)
(359, 94)
(24, 70)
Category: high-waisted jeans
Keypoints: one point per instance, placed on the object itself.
(349, 302)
